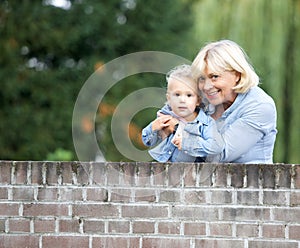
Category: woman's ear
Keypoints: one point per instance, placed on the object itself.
(238, 76)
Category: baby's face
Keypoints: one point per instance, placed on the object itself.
(182, 97)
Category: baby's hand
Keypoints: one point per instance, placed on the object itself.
(177, 140)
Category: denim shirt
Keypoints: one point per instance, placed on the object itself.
(248, 128)
(200, 130)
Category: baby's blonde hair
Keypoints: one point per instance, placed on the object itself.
(181, 72)
(226, 55)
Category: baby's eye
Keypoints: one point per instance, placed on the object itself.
(189, 95)
(177, 94)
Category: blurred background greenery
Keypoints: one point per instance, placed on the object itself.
(49, 48)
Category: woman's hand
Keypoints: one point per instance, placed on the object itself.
(177, 141)
(161, 122)
(170, 124)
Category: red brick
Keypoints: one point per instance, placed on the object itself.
(83, 173)
(273, 231)
(95, 210)
(175, 174)
(21, 172)
(53, 171)
(274, 244)
(2, 225)
(99, 173)
(248, 197)
(198, 213)
(246, 214)
(44, 226)
(118, 226)
(221, 197)
(66, 169)
(275, 198)
(237, 175)
(24, 193)
(129, 173)
(296, 176)
(143, 227)
(19, 225)
(159, 174)
(103, 242)
(294, 232)
(120, 195)
(295, 198)
(268, 176)
(170, 196)
(70, 226)
(145, 195)
(169, 227)
(65, 241)
(247, 230)
(166, 242)
(221, 175)
(194, 197)
(97, 194)
(37, 173)
(194, 228)
(220, 229)
(219, 243)
(93, 226)
(283, 172)
(252, 172)
(47, 194)
(145, 211)
(9, 209)
(205, 174)
(190, 173)
(5, 170)
(3, 194)
(144, 174)
(287, 214)
(38, 209)
(71, 194)
(7, 241)
(113, 173)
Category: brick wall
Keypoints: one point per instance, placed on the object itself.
(71, 204)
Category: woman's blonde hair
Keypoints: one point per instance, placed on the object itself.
(226, 55)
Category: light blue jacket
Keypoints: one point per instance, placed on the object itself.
(202, 131)
(248, 128)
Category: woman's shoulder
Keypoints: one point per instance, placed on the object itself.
(258, 95)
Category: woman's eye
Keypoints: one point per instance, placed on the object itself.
(201, 79)
(214, 77)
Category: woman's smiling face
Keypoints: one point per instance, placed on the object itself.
(217, 87)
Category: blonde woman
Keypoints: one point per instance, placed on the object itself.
(245, 114)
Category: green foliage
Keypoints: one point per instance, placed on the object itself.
(269, 31)
(47, 53)
(60, 155)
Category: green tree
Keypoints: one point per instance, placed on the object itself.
(269, 31)
(47, 53)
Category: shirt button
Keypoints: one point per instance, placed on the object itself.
(170, 152)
